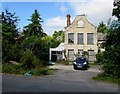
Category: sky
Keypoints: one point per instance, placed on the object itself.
(54, 13)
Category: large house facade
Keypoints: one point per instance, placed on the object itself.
(80, 35)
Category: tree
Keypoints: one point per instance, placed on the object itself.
(9, 26)
(102, 28)
(59, 35)
(9, 33)
(35, 27)
(110, 56)
(116, 11)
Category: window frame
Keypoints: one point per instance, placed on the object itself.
(82, 43)
(88, 39)
(80, 24)
(70, 37)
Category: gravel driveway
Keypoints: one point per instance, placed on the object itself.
(93, 68)
(64, 80)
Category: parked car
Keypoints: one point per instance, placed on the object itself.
(80, 63)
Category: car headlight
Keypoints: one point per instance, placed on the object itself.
(85, 63)
(74, 62)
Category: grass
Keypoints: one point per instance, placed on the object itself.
(16, 69)
(104, 78)
(94, 63)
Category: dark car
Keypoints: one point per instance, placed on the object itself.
(80, 63)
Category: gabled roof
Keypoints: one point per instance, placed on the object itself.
(83, 15)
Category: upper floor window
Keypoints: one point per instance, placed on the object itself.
(80, 24)
(90, 39)
(80, 38)
(70, 37)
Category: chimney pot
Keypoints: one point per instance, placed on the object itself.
(68, 20)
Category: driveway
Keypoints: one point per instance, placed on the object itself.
(93, 68)
(64, 80)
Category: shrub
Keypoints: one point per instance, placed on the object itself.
(12, 69)
(38, 72)
(99, 57)
(28, 60)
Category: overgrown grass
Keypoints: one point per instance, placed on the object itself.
(94, 63)
(17, 69)
(106, 78)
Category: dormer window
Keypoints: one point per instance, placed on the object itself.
(80, 24)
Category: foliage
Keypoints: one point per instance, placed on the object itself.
(16, 69)
(85, 54)
(59, 35)
(12, 69)
(110, 57)
(102, 28)
(99, 57)
(30, 48)
(35, 27)
(106, 78)
(9, 33)
(9, 26)
(116, 11)
(28, 60)
(38, 72)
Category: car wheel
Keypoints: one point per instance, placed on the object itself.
(74, 67)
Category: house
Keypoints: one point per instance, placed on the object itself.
(80, 35)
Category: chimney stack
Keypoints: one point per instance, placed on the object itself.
(68, 20)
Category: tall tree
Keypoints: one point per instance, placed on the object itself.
(9, 26)
(112, 48)
(116, 11)
(35, 27)
(102, 28)
(9, 33)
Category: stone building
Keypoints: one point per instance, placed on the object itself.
(80, 35)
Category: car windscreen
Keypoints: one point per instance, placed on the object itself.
(81, 60)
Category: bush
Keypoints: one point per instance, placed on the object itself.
(38, 72)
(12, 69)
(28, 60)
(106, 78)
(99, 57)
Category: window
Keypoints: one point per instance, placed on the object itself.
(80, 38)
(71, 54)
(80, 24)
(90, 38)
(92, 56)
(70, 37)
(80, 51)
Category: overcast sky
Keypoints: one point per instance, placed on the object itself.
(54, 13)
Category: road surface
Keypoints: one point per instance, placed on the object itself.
(64, 80)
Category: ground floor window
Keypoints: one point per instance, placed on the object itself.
(80, 51)
(92, 56)
(71, 54)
